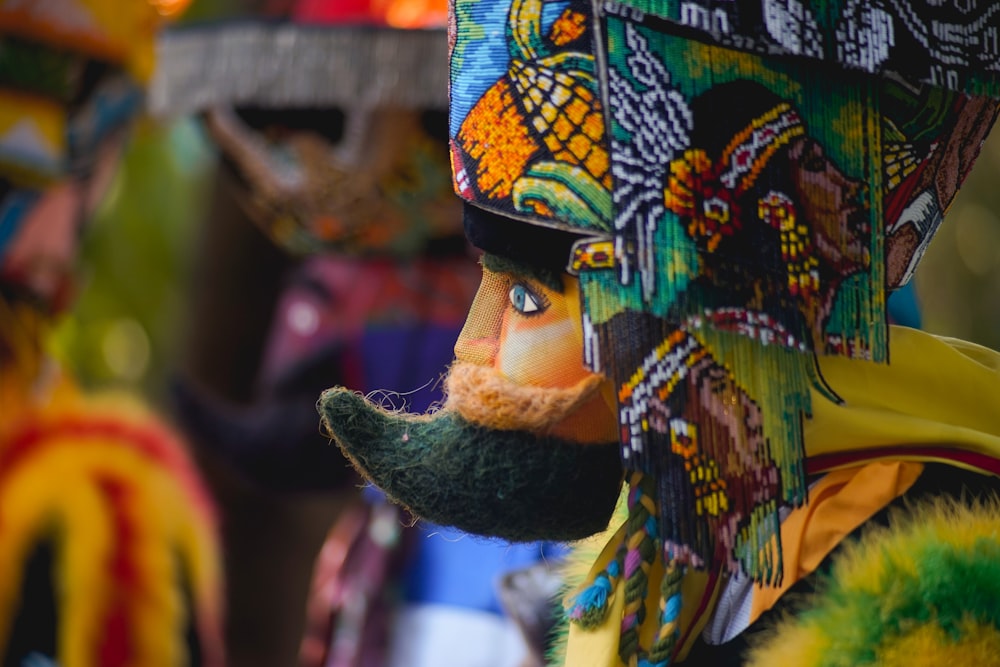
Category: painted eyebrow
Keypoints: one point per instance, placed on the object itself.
(497, 264)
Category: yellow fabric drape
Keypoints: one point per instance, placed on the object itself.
(934, 392)
(937, 397)
(838, 503)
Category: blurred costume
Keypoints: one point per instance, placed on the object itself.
(332, 129)
(110, 554)
(691, 214)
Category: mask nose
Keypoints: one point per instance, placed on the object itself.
(479, 341)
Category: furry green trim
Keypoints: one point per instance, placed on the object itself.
(924, 592)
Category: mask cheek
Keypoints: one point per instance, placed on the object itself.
(549, 355)
(596, 422)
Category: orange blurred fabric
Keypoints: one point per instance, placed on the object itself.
(838, 503)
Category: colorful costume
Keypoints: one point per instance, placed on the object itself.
(706, 202)
(110, 552)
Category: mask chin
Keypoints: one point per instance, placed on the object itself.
(508, 484)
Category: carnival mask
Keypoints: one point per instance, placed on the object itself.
(523, 446)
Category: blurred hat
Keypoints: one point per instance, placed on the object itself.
(332, 117)
(308, 54)
(119, 33)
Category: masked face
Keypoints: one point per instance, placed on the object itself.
(525, 332)
(525, 446)
(364, 323)
(42, 252)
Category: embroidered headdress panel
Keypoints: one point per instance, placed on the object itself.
(527, 124)
(745, 180)
(951, 44)
(745, 193)
(738, 169)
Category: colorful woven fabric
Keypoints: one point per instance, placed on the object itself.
(888, 421)
(736, 186)
(743, 181)
(743, 184)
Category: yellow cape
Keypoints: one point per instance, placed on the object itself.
(937, 400)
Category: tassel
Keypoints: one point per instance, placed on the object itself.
(640, 553)
(589, 607)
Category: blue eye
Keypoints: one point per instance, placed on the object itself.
(525, 301)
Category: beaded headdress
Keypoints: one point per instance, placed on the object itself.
(742, 182)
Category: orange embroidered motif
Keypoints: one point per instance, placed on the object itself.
(500, 142)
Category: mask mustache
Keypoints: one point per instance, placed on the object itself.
(481, 396)
(509, 484)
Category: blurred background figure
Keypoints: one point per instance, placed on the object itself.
(109, 548)
(333, 253)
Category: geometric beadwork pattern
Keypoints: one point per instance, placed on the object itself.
(952, 44)
(747, 178)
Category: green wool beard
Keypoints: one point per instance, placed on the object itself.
(508, 484)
